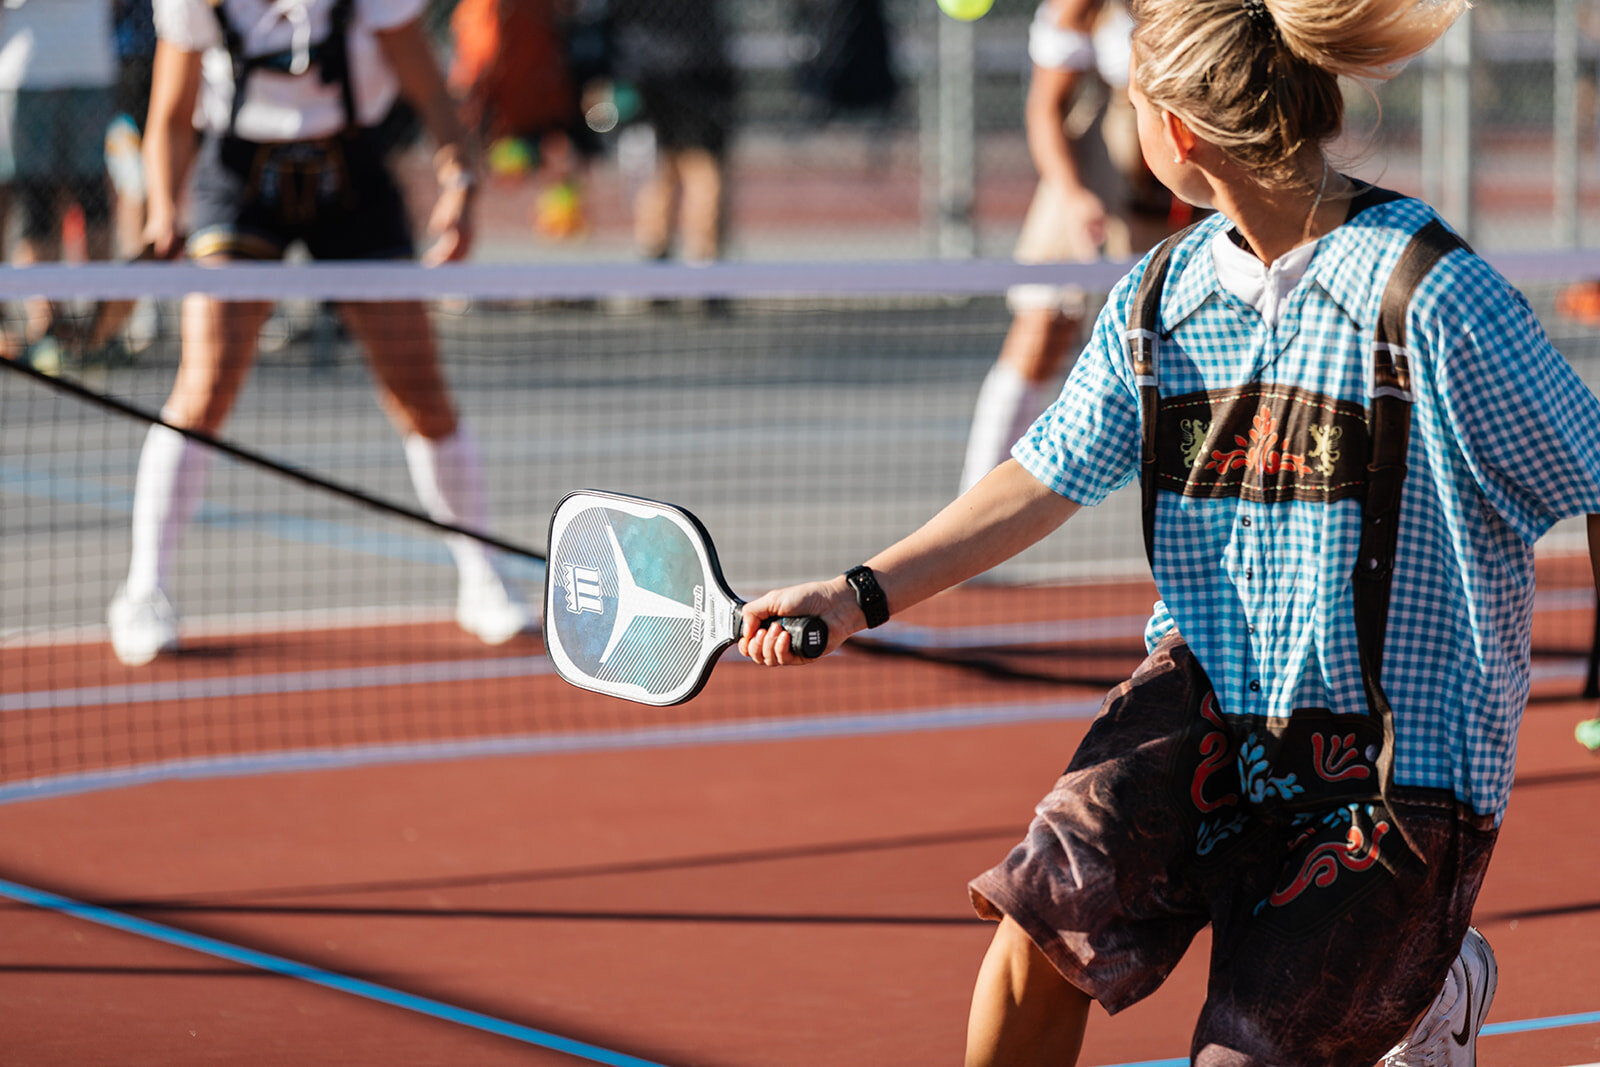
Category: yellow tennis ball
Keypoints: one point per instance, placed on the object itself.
(510, 156)
(966, 10)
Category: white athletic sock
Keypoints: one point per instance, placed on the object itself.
(448, 479)
(167, 492)
(1007, 405)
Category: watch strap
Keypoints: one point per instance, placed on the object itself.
(869, 595)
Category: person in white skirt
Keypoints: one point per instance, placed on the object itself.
(1095, 198)
(289, 95)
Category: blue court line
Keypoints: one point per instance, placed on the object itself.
(797, 729)
(341, 983)
(1553, 1022)
(359, 987)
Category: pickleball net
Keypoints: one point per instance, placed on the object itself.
(808, 413)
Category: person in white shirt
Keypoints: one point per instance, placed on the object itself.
(1095, 198)
(289, 94)
(56, 77)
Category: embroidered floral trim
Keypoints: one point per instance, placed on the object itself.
(1256, 452)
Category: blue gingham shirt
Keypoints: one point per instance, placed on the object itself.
(1505, 441)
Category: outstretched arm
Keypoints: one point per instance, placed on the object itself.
(997, 518)
(410, 56)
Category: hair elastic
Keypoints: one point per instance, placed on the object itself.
(1258, 14)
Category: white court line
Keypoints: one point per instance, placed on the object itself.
(466, 670)
(759, 731)
(247, 685)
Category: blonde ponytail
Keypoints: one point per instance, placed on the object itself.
(1259, 78)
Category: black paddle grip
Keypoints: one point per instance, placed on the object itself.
(808, 635)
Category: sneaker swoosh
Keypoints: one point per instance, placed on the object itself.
(1465, 1033)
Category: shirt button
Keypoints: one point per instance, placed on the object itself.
(1255, 687)
(1245, 521)
(1249, 575)
(1252, 627)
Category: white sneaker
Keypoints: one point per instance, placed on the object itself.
(491, 610)
(142, 628)
(1447, 1033)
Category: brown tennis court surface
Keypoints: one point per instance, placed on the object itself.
(778, 900)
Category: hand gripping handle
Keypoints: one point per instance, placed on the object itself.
(808, 635)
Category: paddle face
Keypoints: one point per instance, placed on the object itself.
(635, 605)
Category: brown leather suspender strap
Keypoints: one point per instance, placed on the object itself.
(1143, 337)
(1389, 425)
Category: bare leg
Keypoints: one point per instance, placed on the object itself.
(399, 343)
(218, 348)
(701, 209)
(129, 223)
(1017, 387)
(442, 458)
(10, 345)
(1038, 342)
(40, 314)
(1024, 1014)
(652, 207)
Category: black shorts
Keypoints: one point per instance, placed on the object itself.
(252, 201)
(689, 110)
(131, 95)
(1333, 922)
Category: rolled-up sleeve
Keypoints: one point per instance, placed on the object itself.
(187, 24)
(1086, 444)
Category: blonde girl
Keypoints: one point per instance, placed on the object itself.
(1349, 432)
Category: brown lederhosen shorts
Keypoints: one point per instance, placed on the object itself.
(1333, 924)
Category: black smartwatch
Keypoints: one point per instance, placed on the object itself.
(869, 594)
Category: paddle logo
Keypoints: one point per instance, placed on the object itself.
(583, 589)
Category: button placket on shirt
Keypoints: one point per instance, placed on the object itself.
(1247, 539)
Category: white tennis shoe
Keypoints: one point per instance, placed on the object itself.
(490, 609)
(1447, 1033)
(142, 628)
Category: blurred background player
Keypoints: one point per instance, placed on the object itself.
(292, 93)
(126, 327)
(134, 41)
(674, 53)
(1095, 197)
(56, 75)
(518, 95)
(849, 72)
